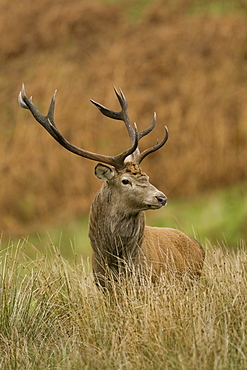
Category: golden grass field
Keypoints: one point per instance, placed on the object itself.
(53, 317)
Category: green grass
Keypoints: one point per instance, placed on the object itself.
(216, 216)
(135, 9)
(219, 215)
(71, 239)
(218, 7)
(53, 317)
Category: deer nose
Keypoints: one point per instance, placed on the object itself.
(162, 200)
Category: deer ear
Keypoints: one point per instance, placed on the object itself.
(104, 172)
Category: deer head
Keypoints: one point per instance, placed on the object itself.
(129, 189)
(124, 171)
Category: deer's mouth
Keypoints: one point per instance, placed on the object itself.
(154, 206)
(160, 202)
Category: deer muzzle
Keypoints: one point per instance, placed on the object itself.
(162, 200)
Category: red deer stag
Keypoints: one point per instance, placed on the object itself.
(117, 230)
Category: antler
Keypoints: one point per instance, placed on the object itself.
(48, 123)
(123, 116)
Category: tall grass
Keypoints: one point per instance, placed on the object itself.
(53, 317)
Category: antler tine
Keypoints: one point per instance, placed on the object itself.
(121, 115)
(48, 123)
(121, 98)
(111, 113)
(124, 105)
(107, 112)
(20, 101)
(153, 149)
(149, 129)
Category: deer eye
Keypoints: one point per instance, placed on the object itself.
(125, 182)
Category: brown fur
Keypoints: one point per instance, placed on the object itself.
(120, 238)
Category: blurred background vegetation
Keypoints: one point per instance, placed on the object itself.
(184, 59)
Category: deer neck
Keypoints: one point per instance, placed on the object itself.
(112, 231)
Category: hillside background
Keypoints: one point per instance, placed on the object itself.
(185, 60)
